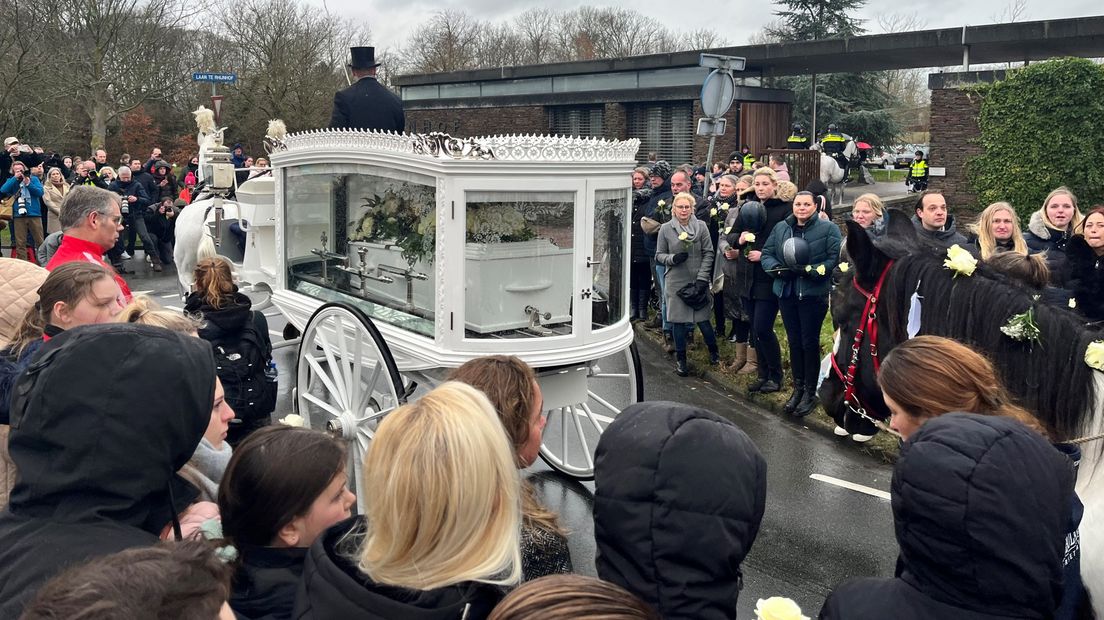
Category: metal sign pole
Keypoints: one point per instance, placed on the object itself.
(718, 93)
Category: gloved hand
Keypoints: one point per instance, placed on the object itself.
(701, 287)
(785, 273)
(679, 258)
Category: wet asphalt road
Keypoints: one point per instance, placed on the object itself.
(814, 534)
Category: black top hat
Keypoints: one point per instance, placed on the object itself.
(362, 58)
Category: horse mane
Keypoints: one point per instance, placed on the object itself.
(1049, 377)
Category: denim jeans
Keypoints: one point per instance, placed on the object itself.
(681, 333)
(661, 271)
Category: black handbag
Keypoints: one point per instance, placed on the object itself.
(694, 297)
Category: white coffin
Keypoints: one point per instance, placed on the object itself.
(501, 279)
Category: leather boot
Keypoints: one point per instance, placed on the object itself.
(808, 402)
(155, 261)
(668, 343)
(752, 365)
(795, 398)
(741, 357)
(681, 367)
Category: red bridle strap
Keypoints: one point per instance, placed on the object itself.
(868, 324)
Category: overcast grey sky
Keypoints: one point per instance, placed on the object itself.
(391, 21)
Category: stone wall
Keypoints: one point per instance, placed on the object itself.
(954, 135)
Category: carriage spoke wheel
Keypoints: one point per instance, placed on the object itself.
(346, 381)
(572, 429)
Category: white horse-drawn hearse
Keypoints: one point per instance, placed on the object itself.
(398, 257)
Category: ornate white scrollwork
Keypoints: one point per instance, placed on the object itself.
(537, 148)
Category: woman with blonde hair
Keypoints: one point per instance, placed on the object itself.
(56, 188)
(440, 531)
(1050, 229)
(512, 388)
(144, 311)
(685, 250)
(998, 230)
(761, 303)
(868, 210)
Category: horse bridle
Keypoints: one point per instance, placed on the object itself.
(868, 324)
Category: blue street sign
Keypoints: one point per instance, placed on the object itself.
(218, 78)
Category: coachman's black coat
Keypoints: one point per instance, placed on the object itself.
(367, 104)
(981, 506)
(679, 496)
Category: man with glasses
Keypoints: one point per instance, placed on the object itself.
(91, 219)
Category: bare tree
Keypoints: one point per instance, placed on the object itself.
(116, 54)
(447, 42)
(1014, 11)
(289, 57)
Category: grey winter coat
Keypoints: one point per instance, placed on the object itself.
(698, 266)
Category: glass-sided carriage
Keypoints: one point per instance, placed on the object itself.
(400, 257)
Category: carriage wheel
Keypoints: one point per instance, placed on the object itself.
(574, 424)
(346, 380)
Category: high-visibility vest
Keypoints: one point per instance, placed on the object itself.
(919, 168)
(797, 142)
(749, 160)
(833, 143)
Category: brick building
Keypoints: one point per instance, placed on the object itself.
(659, 105)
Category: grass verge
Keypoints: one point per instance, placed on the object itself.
(883, 446)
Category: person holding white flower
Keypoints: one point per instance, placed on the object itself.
(738, 274)
(685, 251)
(802, 285)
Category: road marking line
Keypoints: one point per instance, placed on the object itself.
(141, 292)
(177, 308)
(850, 485)
(171, 295)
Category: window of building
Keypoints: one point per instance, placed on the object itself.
(579, 121)
(666, 129)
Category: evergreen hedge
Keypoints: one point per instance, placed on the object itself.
(1041, 128)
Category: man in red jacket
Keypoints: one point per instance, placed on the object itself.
(91, 220)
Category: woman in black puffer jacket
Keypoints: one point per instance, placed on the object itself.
(762, 303)
(640, 263)
(1050, 229)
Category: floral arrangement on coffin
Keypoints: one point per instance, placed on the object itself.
(493, 223)
(405, 223)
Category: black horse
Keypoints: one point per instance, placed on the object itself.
(1050, 377)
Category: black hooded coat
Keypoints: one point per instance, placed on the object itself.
(97, 452)
(679, 496)
(981, 505)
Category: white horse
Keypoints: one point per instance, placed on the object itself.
(832, 176)
(194, 240)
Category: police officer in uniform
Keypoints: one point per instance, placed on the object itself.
(798, 139)
(918, 174)
(833, 144)
(366, 104)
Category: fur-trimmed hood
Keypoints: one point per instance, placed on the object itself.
(1038, 227)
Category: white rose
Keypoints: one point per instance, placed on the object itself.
(293, 419)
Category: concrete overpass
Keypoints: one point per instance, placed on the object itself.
(941, 47)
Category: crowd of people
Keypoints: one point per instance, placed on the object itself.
(34, 184)
(744, 248)
(207, 509)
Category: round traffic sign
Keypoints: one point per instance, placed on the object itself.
(717, 93)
